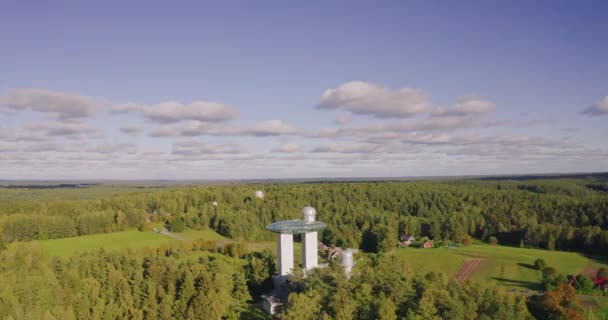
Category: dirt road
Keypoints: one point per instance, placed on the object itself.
(467, 270)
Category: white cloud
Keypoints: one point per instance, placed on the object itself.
(356, 148)
(171, 111)
(62, 105)
(195, 148)
(598, 109)
(270, 128)
(360, 97)
(287, 148)
(164, 131)
(131, 129)
(125, 107)
(467, 106)
(342, 119)
(52, 128)
(107, 148)
(196, 128)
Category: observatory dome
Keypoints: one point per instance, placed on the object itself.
(259, 194)
(347, 259)
(308, 214)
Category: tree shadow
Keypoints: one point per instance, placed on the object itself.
(526, 265)
(596, 258)
(518, 283)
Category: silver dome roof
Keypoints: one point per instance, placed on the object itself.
(309, 213)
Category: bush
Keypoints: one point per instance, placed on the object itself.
(493, 240)
(178, 225)
(145, 226)
(583, 284)
(540, 264)
(467, 241)
(549, 272)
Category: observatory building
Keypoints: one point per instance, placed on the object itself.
(308, 228)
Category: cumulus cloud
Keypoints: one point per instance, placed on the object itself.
(11, 134)
(171, 112)
(341, 148)
(196, 128)
(364, 98)
(394, 128)
(466, 106)
(131, 129)
(109, 148)
(164, 131)
(598, 109)
(62, 105)
(270, 128)
(125, 108)
(53, 128)
(342, 119)
(287, 148)
(195, 148)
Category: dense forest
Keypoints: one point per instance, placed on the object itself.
(201, 280)
(156, 284)
(555, 214)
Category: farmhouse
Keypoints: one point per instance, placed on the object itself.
(601, 283)
(427, 244)
(406, 239)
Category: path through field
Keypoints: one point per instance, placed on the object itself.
(467, 269)
(172, 235)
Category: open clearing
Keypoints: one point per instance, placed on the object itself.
(131, 239)
(507, 266)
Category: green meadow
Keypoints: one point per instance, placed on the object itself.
(130, 239)
(507, 266)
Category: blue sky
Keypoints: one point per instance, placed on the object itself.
(268, 89)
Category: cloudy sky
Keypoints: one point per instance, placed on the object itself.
(265, 89)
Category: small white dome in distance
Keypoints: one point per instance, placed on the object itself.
(259, 194)
(308, 214)
(214, 203)
(347, 259)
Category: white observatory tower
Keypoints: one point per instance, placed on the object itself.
(308, 227)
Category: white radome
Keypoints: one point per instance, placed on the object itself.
(308, 214)
(347, 259)
(259, 194)
(214, 203)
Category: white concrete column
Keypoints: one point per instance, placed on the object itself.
(310, 255)
(285, 253)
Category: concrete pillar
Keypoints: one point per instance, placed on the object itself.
(285, 253)
(310, 256)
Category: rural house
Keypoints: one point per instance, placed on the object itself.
(406, 239)
(427, 244)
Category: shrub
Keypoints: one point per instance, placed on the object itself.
(145, 226)
(467, 241)
(540, 264)
(549, 272)
(583, 284)
(493, 240)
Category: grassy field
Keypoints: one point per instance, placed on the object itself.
(506, 266)
(131, 239)
(599, 306)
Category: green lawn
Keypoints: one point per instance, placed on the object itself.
(506, 266)
(599, 309)
(132, 239)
